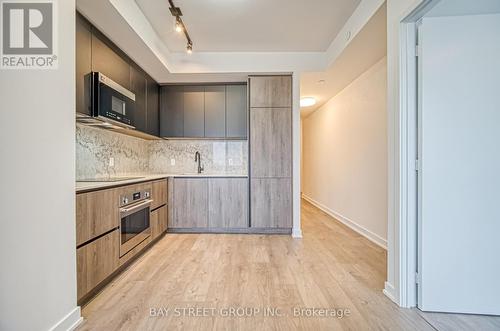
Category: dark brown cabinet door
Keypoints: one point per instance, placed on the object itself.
(106, 60)
(83, 64)
(194, 111)
(153, 108)
(215, 111)
(236, 111)
(138, 87)
(172, 111)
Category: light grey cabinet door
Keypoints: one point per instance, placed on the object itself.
(271, 142)
(194, 111)
(215, 111)
(228, 202)
(271, 91)
(236, 111)
(172, 111)
(190, 203)
(271, 203)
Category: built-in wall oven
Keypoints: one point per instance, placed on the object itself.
(134, 219)
(111, 102)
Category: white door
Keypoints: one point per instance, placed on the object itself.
(459, 177)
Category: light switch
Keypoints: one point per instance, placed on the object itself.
(111, 161)
(230, 161)
(172, 162)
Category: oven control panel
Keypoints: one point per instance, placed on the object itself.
(132, 197)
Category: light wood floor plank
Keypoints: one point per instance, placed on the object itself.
(331, 267)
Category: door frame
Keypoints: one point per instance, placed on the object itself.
(408, 166)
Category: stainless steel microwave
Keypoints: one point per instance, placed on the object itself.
(111, 102)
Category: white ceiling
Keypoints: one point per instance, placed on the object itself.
(366, 49)
(251, 25)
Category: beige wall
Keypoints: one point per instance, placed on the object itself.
(345, 154)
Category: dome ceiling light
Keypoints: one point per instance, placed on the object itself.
(307, 102)
(179, 25)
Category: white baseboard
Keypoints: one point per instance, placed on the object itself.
(296, 233)
(69, 322)
(390, 292)
(350, 223)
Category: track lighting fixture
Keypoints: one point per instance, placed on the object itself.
(179, 25)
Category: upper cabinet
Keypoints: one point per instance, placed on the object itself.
(236, 111)
(94, 52)
(209, 111)
(194, 113)
(270, 91)
(139, 88)
(106, 59)
(153, 107)
(215, 111)
(83, 65)
(172, 111)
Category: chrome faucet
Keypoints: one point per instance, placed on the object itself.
(197, 158)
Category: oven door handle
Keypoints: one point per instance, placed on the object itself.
(132, 209)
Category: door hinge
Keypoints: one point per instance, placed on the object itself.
(417, 50)
(417, 165)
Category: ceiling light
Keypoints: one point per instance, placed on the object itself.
(178, 25)
(307, 102)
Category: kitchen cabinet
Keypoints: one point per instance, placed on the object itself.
(215, 111)
(153, 107)
(158, 193)
(96, 213)
(172, 111)
(106, 59)
(138, 87)
(271, 142)
(210, 111)
(236, 111)
(271, 202)
(270, 152)
(271, 91)
(194, 111)
(96, 261)
(190, 200)
(83, 40)
(228, 202)
(158, 221)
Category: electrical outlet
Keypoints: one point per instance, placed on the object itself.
(172, 162)
(111, 161)
(230, 161)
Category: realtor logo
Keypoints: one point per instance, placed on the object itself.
(28, 35)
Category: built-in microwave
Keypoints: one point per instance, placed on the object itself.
(111, 102)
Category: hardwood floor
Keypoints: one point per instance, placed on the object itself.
(331, 267)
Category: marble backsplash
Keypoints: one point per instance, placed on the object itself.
(134, 156)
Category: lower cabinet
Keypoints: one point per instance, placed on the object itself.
(228, 203)
(158, 221)
(190, 203)
(96, 261)
(271, 201)
(208, 203)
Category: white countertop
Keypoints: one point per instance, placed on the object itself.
(90, 186)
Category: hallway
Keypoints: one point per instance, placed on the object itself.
(332, 267)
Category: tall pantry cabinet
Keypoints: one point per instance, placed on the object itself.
(270, 130)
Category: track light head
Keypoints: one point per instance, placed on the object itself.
(189, 48)
(178, 25)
